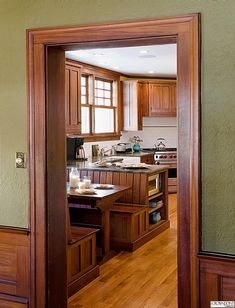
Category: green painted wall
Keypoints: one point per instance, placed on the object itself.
(218, 92)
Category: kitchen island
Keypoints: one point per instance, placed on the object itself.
(142, 211)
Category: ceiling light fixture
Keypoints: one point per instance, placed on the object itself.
(98, 54)
(143, 51)
(151, 72)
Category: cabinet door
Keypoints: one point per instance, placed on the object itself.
(143, 97)
(73, 99)
(162, 100)
(173, 99)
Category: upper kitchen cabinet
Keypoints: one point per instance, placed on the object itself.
(162, 98)
(147, 98)
(73, 98)
(135, 100)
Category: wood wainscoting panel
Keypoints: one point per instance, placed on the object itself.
(14, 263)
(8, 301)
(217, 279)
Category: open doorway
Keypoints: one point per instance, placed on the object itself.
(47, 149)
(147, 73)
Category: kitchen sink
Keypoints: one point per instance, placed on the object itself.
(113, 159)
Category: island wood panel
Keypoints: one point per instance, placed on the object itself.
(116, 178)
(217, 279)
(14, 264)
(103, 177)
(109, 178)
(91, 174)
(83, 173)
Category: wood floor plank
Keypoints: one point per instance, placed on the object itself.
(145, 278)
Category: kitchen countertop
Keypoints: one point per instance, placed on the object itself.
(134, 154)
(89, 166)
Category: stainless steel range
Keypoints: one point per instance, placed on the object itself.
(167, 156)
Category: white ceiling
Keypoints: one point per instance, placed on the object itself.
(152, 60)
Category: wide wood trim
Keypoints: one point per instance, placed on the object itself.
(15, 299)
(112, 31)
(185, 30)
(56, 178)
(14, 230)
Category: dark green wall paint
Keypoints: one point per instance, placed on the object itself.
(218, 92)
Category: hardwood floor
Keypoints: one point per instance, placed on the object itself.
(146, 277)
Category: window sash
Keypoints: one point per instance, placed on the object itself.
(106, 102)
(101, 98)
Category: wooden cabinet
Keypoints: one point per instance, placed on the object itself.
(162, 99)
(73, 99)
(147, 99)
(143, 97)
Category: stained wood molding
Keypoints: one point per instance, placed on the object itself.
(43, 149)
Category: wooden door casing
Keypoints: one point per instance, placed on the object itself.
(185, 30)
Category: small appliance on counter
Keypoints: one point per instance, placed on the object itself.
(123, 147)
(160, 145)
(75, 150)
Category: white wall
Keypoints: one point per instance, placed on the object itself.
(154, 128)
(103, 144)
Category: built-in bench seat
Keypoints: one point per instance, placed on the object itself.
(128, 223)
(81, 258)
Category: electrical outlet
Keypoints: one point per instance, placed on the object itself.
(20, 160)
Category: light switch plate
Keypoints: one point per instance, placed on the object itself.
(20, 160)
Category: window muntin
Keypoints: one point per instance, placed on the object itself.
(98, 106)
(84, 89)
(103, 92)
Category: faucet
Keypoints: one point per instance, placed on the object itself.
(104, 152)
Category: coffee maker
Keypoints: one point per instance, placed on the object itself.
(75, 150)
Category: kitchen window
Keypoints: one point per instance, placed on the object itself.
(98, 106)
(85, 106)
